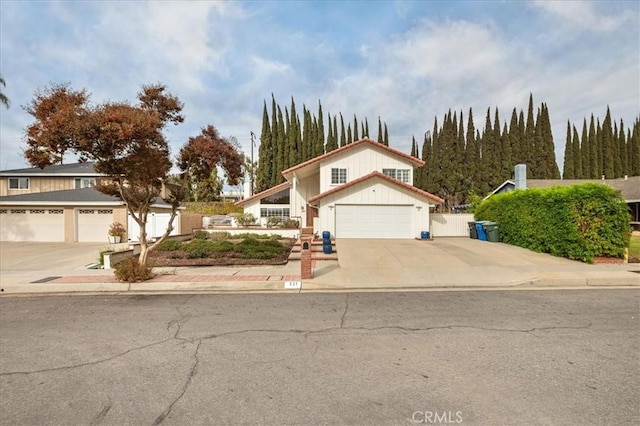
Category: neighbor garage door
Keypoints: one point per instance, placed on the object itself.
(32, 225)
(93, 225)
(374, 221)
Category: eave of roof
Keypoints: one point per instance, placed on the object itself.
(264, 193)
(416, 161)
(85, 195)
(60, 170)
(382, 176)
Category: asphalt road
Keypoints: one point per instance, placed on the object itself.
(492, 357)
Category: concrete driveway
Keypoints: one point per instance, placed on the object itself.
(28, 256)
(449, 262)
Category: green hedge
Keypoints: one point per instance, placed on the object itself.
(578, 222)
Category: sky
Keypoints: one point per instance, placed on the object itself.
(403, 61)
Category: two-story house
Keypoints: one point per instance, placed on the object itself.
(360, 190)
(60, 204)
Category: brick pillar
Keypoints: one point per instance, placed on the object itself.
(305, 260)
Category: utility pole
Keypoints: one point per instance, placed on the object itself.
(252, 171)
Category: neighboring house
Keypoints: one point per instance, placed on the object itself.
(360, 190)
(629, 187)
(59, 203)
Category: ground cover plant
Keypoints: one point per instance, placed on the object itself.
(222, 248)
(634, 249)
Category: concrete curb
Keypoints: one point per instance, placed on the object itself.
(306, 287)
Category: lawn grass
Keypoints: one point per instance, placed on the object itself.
(634, 248)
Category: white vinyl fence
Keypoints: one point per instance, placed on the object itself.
(450, 224)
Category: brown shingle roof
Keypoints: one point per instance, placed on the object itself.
(377, 174)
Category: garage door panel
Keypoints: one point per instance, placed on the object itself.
(93, 224)
(46, 225)
(374, 221)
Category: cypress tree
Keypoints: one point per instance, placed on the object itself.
(607, 147)
(617, 160)
(515, 138)
(320, 136)
(319, 141)
(568, 167)
(365, 132)
(585, 151)
(332, 137)
(380, 137)
(336, 142)
(633, 140)
(427, 158)
(343, 135)
(355, 128)
(622, 149)
(529, 140)
(551, 165)
(577, 157)
(386, 135)
(305, 151)
(281, 150)
(594, 169)
(349, 135)
(265, 154)
(472, 156)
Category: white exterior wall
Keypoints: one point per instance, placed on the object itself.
(360, 162)
(376, 192)
(305, 189)
(253, 207)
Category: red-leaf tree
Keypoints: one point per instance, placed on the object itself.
(128, 146)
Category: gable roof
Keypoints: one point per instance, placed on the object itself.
(62, 170)
(366, 141)
(264, 193)
(376, 174)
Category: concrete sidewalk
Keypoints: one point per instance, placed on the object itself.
(363, 265)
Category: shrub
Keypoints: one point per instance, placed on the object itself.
(213, 208)
(169, 245)
(130, 271)
(273, 221)
(201, 235)
(251, 236)
(216, 236)
(578, 222)
(290, 223)
(246, 219)
(198, 249)
(255, 249)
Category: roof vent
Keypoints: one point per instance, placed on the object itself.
(521, 176)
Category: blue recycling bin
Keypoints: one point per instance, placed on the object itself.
(482, 235)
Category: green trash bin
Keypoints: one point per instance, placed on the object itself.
(493, 232)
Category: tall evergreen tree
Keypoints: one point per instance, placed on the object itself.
(515, 138)
(529, 140)
(472, 156)
(355, 128)
(380, 136)
(365, 132)
(568, 163)
(386, 135)
(594, 168)
(349, 134)
(607, 147)
(277, 178)
(634, 141)
(585, 151)
(343, 134)
(622, 149)
(617, 160)
(320, 143)
(332, 138)
(577, 157)
(550, 163)
(265, 154)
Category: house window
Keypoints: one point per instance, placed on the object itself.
(85, 182)
(18, 183)
(274, 212)
(400, 174)
(281, 197)
(338, 176)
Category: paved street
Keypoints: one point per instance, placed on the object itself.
(483, 357)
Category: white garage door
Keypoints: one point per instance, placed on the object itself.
(374, 221)
(32, 225)
(93, 225)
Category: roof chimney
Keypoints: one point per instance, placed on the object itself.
(521, 176)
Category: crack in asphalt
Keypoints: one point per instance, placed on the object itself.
(84, 364)
(181, 316)
(192, 373)
(101, 415)
(346, 308)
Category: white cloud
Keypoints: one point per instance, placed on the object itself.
(583, 14)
